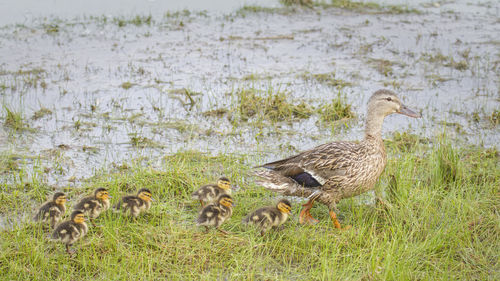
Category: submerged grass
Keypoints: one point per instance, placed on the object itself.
(442, 223)
(14, 120)
(272, 105)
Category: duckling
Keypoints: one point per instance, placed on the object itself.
(270, 217)
(214, 214)
(94, 205)
(210, 192)
(52, 210)
(71, 230)
(136, 204)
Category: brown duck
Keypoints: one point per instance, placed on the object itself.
(336, 170)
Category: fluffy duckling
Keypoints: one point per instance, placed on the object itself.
(136, 204)
(210, 192)
(93, 206)
(52, 211)
(214, 214)
(270, 217)
(71, 230)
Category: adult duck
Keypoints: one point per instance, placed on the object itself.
(336, 170)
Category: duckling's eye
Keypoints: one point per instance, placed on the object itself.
(389, 99)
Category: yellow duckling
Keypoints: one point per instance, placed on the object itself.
(270, 217)
(71, 230)
(135, 204)
(93, 206)
(210, 192)
(214, 214)
(52, 210)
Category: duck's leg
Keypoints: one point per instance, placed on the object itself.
(335, 221)
(201, 203)
(333, 216)
(305, 216)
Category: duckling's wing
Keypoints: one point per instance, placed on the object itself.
(87, 203)
(263, 217)
(208, 215)
(43, 211)
(205, 192)
(61, 230)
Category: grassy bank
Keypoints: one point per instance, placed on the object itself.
(442, 223)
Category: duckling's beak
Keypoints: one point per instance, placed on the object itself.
(152, 200)
(408, 112)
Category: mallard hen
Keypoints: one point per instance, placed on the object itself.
(336, 170)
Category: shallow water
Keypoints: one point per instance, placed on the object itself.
(76, 68)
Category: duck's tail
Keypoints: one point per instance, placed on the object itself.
(284, 185)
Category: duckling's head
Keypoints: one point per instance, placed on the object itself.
(225, 200)
(59, 198)
(284, 206)
(384, 102)
(78, 216)
(224, 183)
(145, 194)
(101, 194)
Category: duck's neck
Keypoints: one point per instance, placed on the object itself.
(373, 127)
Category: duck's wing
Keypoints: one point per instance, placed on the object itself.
(314, 167)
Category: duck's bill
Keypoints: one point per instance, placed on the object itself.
(408, 112)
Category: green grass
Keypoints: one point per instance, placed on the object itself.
(441, 224)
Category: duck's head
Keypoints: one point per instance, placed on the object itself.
(284, 206)
(78, 217)
(225, 200)
(224, 183)
(145, 194)
(59, 198)
(102, 194)
(385, 102)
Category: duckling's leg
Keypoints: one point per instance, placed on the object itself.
(201, 203)
(68, 250)
(206, 229)
(223, 231)
(305, 216)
